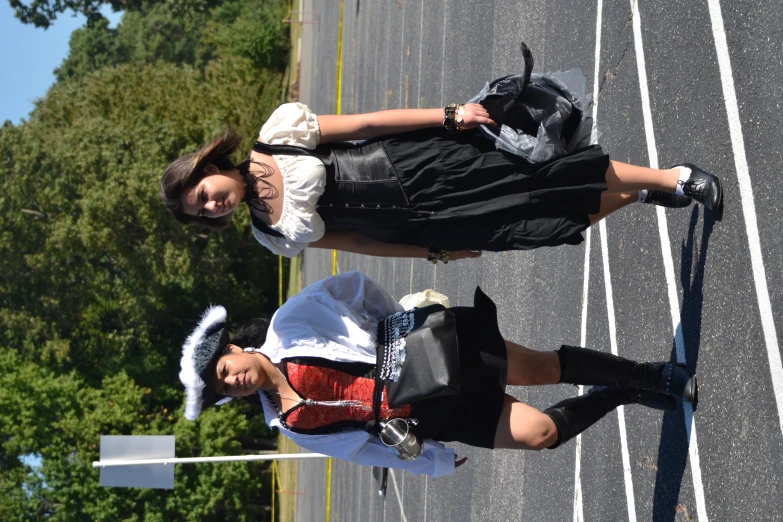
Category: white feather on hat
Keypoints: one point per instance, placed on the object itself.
(194, 384)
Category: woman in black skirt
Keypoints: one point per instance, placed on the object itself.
(427, 183)
(313, 368)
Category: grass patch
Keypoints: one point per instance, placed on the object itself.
(286, 497)
(294, 276)
(291, 93)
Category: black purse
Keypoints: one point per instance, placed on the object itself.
(418, 356)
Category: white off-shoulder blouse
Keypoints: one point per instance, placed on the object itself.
(304, 179)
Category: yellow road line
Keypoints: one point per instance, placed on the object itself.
(337, 106)
(328, 487)
(274, 468)
(338, 98)
(339, 60)
(279, 281)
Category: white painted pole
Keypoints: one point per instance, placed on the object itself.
(195, 460)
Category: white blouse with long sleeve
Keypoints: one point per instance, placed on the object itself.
(336, 318)
(304, 179)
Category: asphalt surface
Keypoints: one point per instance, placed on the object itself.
(410, 53)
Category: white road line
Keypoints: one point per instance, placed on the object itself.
(402, 487)
(748, 205)
(668, 264)
(579, 514)
(596, 83)
(398, 496)
(402, 50)
(585, 289)
(410, 286)
(443, 51)
(418, 104)
(384, 101)
(442, 76)
(425, 497)
(421, 46)
(631, 500)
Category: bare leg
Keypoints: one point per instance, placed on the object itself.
(526, 367)
(523, 427)
(623, 177)
(611, 201)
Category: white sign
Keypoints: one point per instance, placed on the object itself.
(137, 447)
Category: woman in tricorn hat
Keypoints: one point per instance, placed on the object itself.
(313, 367)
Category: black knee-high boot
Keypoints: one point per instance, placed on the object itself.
(573, 416)
(583, 366)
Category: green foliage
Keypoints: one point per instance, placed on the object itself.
(253, 30)
(42, 13)
(61, 420)
(182, 32)
(103, 265)
(99, 286)
(92, 47)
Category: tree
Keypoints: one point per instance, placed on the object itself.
(170, 32)
(252, 30)
(92, 47)
(42, 13)
(99, 286)
(60, 419)
(105, 279)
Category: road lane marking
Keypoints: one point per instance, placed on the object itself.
(631, 500)
(748, 205)
(579, 514)
(668, 264)
(397, 495)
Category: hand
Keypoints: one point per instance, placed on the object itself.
(471, 115)
(459, 461)
(464, 254)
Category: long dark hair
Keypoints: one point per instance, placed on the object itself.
(186, 172)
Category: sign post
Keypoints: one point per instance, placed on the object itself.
(147, 461)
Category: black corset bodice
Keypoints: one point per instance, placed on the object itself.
(363, 192)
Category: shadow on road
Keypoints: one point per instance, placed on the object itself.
(673, 447)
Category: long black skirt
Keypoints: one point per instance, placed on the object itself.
(472, 415)
(465, 194)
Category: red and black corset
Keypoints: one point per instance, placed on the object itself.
(349, 385)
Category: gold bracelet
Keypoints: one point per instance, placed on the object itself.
(449, 117)
(458, 114)
(435, 254)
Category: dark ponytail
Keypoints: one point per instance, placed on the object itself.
(252, 334)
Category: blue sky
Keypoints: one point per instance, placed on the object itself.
(28, 57)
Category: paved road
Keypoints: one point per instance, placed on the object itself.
(675, 84)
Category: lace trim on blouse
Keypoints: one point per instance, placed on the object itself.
(304, 179)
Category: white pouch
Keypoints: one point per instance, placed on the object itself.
(425, 298)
